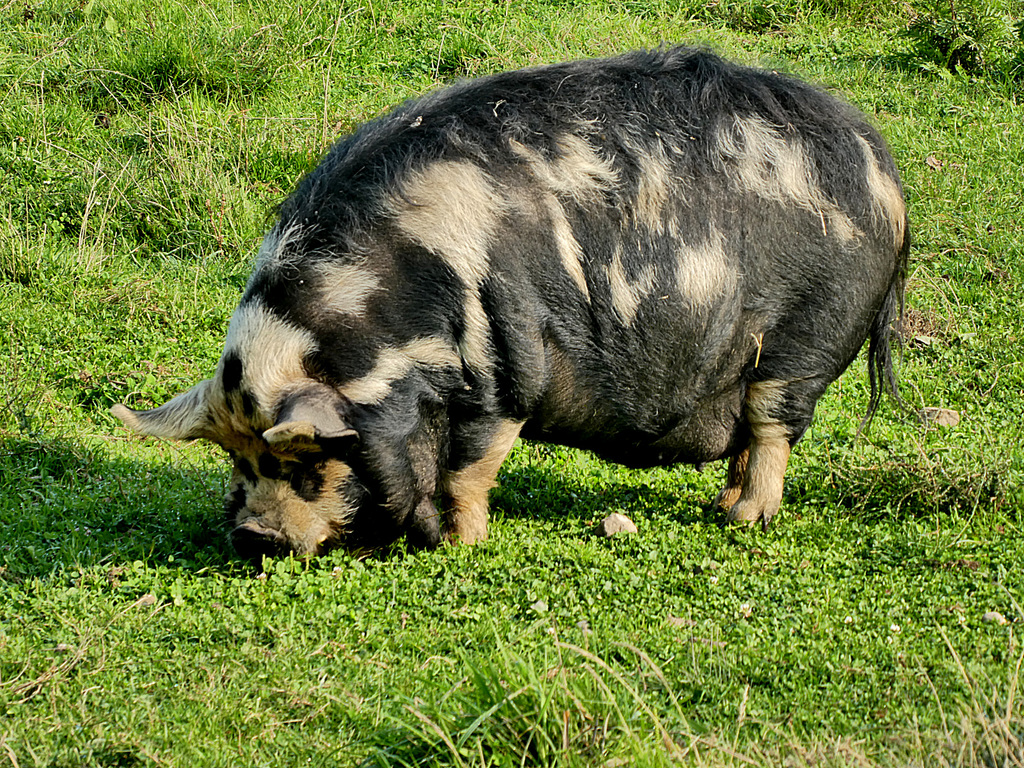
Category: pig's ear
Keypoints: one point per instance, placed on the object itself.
(183, 418)
(307, 417)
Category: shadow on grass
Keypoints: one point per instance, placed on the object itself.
(64, 505)
(539, 492)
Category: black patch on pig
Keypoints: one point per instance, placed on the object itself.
(307, 482)
(248, 405)
(232, 376)
(246, 469)
(269, 466)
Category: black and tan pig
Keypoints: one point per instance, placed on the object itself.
(661, 257)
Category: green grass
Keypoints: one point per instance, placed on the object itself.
(143, 147)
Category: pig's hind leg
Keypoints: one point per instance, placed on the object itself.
(753, 491)
(730, 494)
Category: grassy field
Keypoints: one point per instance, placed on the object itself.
(143, 147)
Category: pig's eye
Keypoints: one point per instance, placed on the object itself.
(270, 466)
(340, 448)
(307, 480)
(243, 465)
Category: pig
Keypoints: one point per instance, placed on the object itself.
(661, 257)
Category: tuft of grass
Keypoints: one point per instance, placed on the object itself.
(569, 705)
(976, 37)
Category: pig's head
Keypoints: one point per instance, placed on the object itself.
(293, 488)
(299, 484)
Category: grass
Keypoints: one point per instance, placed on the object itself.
(144, 147)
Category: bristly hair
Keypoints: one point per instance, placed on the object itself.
(614, 99)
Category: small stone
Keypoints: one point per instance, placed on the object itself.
(145, 601)
(939, 417)
(616, 523)
(994, 617)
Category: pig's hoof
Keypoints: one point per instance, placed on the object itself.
(467, 535)
(727, 498)
(750, 512)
